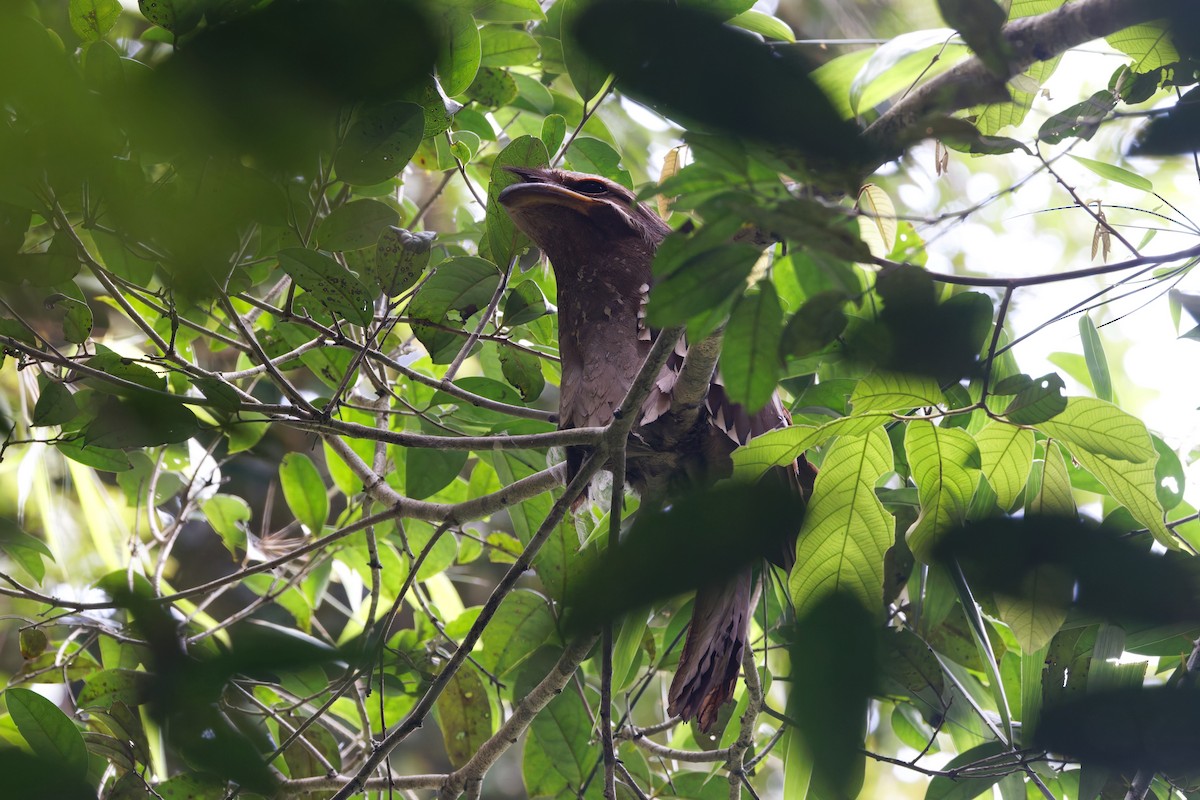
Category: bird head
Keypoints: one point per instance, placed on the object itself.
(571, 213)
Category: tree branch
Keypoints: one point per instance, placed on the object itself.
(1031, 39)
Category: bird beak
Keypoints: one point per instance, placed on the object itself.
(536, 189)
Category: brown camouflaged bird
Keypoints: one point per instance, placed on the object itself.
(601, 242)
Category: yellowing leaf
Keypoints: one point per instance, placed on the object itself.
(846, 531)
(894, 391)
(1131, 485)
(1050, 489)
(1005, 453)
(1101, 428)
(944, 466)
(783, 446)
(1040, 610)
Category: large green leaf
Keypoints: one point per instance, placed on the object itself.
(945, 466)
(891, 391)
(458, 60)
(464, 713)
(504, 239)
(1101, 428)
(846, 530)
(783, 446)
(749, 359)
(1005, 453)
(1131, 485)
(47, 730)
(356, 224)
(380, 143)
(522, 624)
(304, 491)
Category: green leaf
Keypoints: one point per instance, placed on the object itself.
(380, 143)
(1006, 453)
(1102, 428)
(304, 491)
(554, 131)
(1149, 45)
(1132, 485)
(846, 530)
(784, 445)
(107, 688)
(893, 391)
(428, 471)
(587, 154)
(1037, 611)
(1049, 490)
(627, 645)
(1081, 120)
(24, 549)
(1116, 174)
(701, 282)
(458, 60)
(492, 88)
(504, 239)
(1093, 354)
(400, 259)
(356, 224)
(101, 458)
(55, 405)
(750, 356)
(92, 19)
(525, 303)
(1037, 401)
(48, 731)
(558, 754)
(873, 75)
(464, 714)
(522, 624)
(523, 371)
(507, 47)
(228, 516)
(140, 421)
(177, 16)
(127, 370)
(587, 76)
(816, 324)
(329, 283)
(765, 24)
(944, 464)
(943, 787)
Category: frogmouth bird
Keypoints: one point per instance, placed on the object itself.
(600, 242)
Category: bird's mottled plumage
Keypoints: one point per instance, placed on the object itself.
(601, 243)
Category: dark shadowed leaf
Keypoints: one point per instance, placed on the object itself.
(686, 63)
(356, 224)
(1111, 577)
(525, 303)
(380, 143)
(1037, 400)
(750, 354)
(703, 538)
(55, 405)
(818, 322)
(1177, 131)
(834, 651)
(253, 83)
(524, 371)
(1151, 728)
(979, 23)
(140, 421)
(28, 775)
(1081, 120)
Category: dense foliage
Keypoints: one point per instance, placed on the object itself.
(281, 508)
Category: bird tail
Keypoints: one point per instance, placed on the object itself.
(712, 652)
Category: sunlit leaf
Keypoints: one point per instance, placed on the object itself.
(846, 529)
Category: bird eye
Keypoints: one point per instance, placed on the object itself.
(590, 187)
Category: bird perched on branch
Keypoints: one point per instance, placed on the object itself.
(601, 242)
